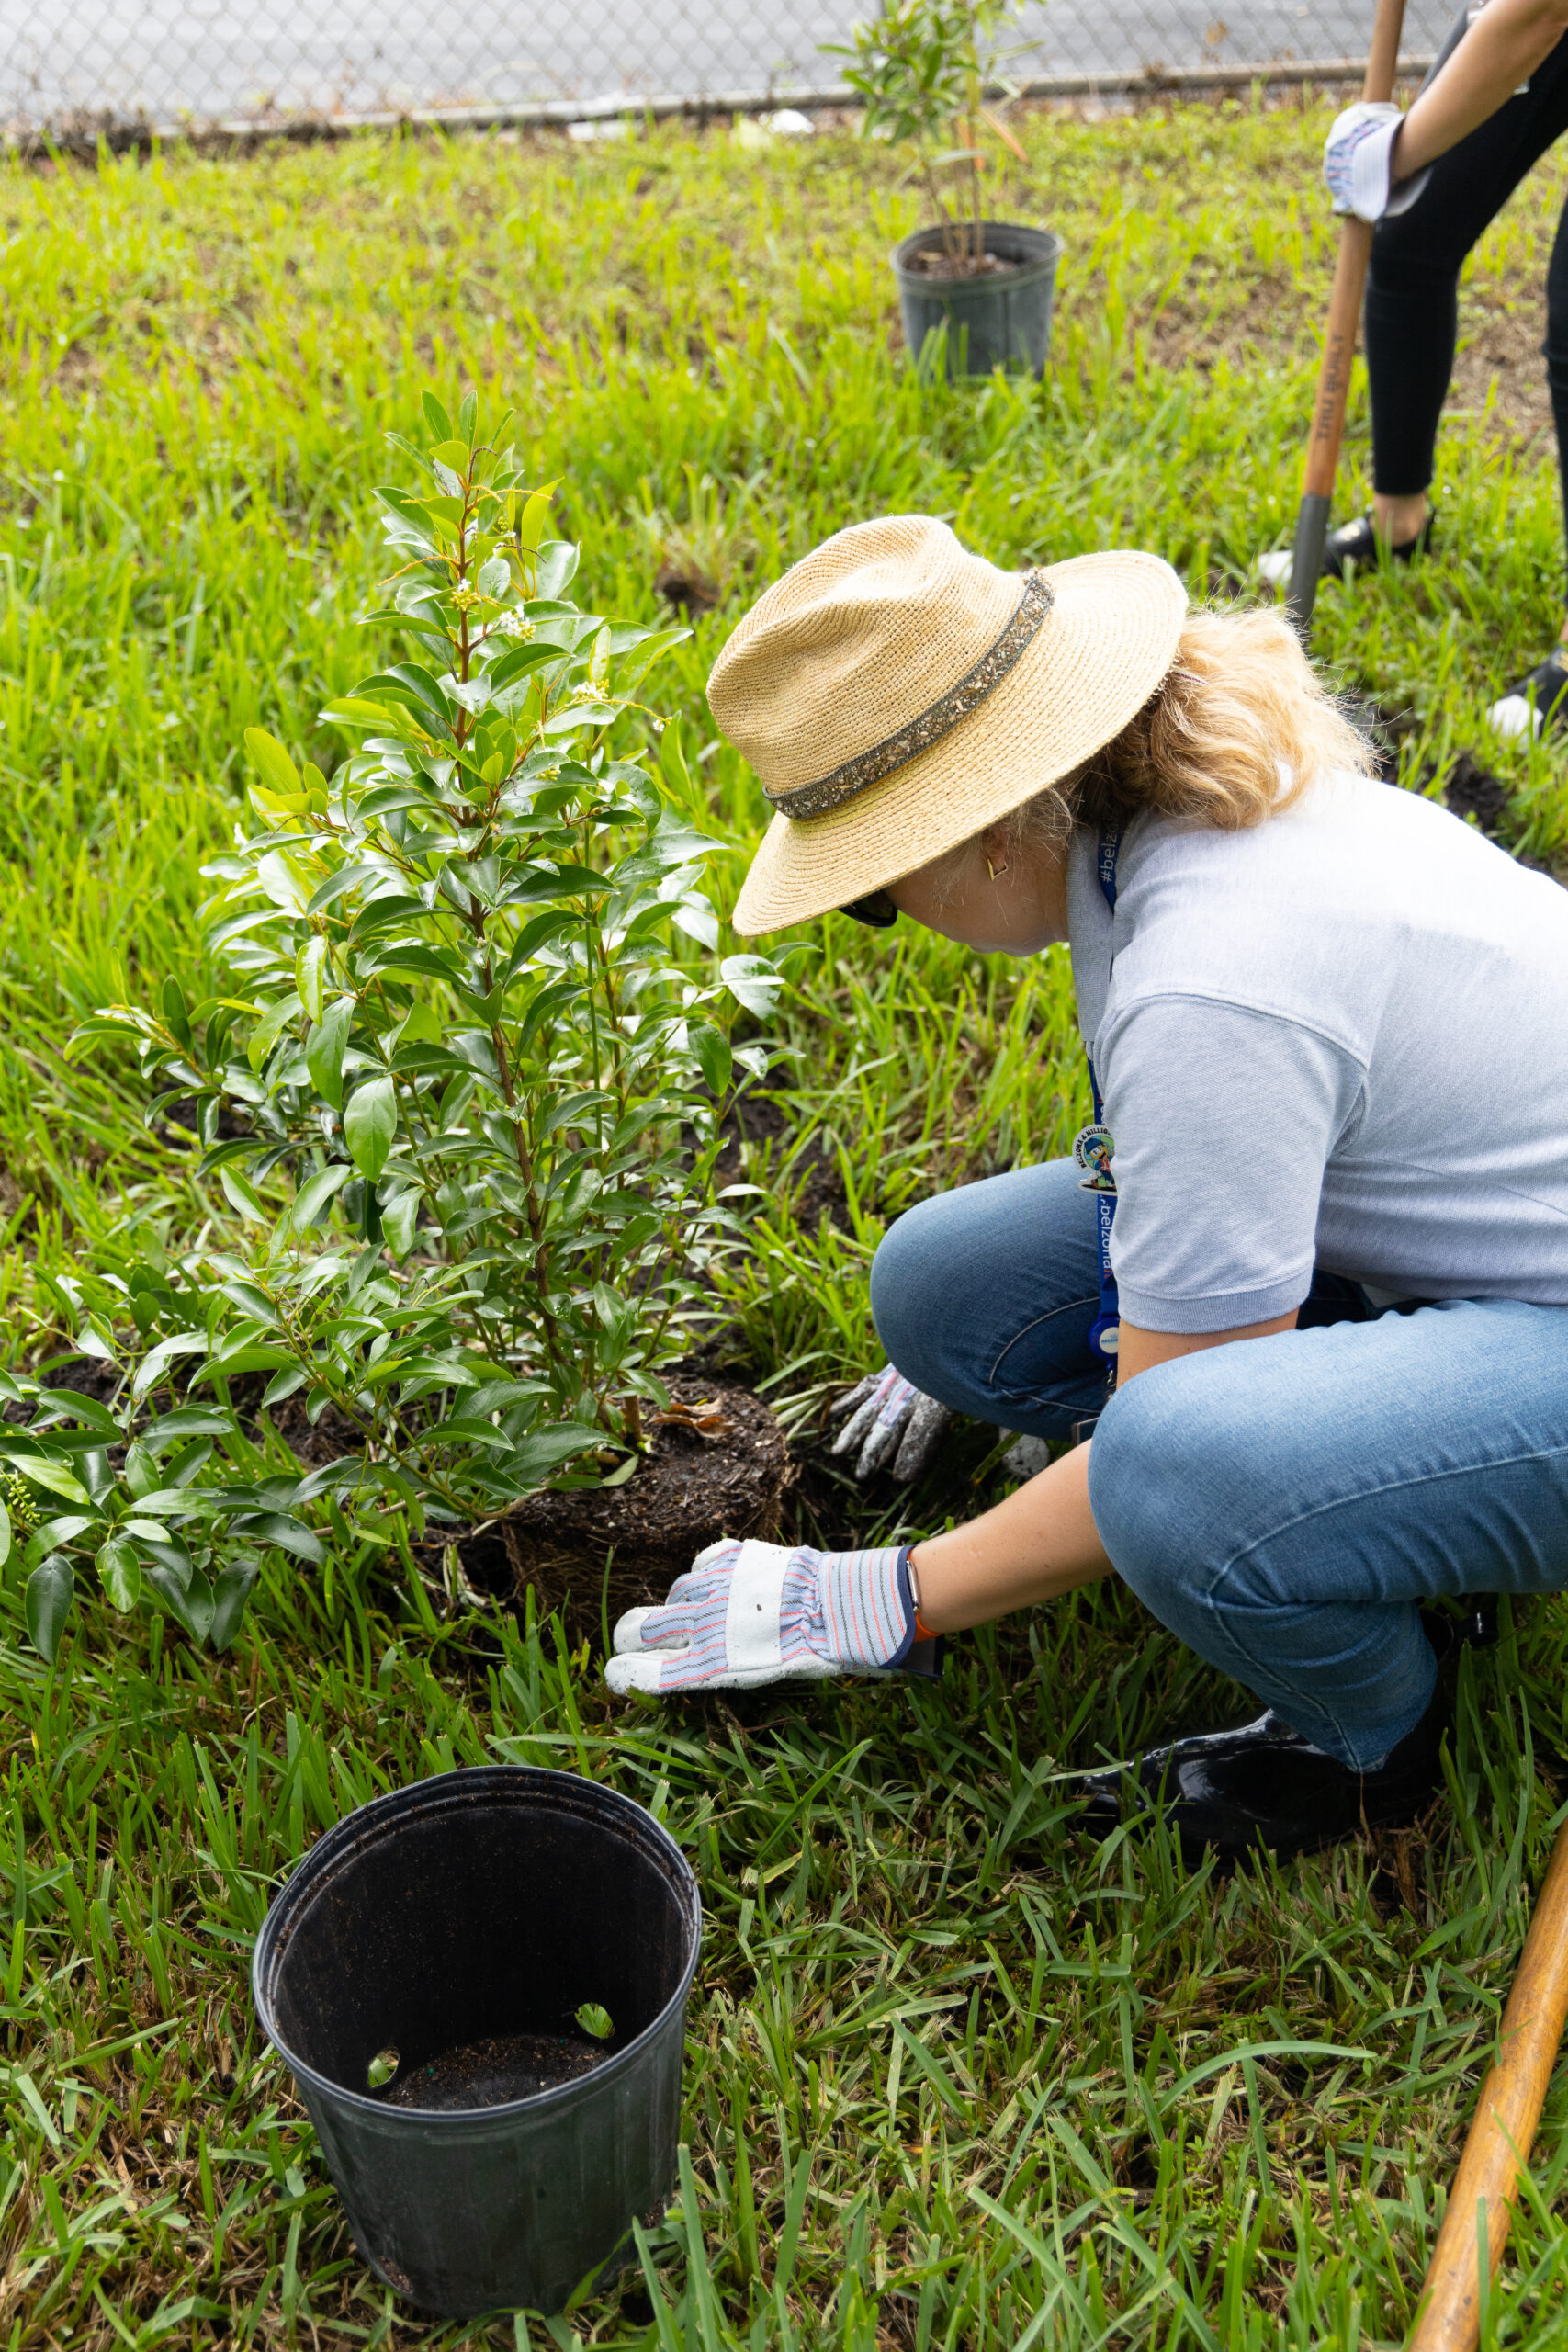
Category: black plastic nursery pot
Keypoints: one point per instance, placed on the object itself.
(461, 1924)
(999, 320)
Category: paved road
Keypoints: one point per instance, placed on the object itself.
(207, 57)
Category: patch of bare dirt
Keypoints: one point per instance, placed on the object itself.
(1499, 372)
(1266, 322)
(690, 591)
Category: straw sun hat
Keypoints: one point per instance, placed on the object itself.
(896, 695)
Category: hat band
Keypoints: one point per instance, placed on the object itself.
(933, 723)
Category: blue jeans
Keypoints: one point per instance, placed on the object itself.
(1283, 1506)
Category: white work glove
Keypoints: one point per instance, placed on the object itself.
(895, 1426)
(1356, 162)
(746, 1613)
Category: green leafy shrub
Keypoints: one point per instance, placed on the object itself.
(463, 1095)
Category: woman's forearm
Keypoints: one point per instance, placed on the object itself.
(1508, 40)
(1040, 1542)
(1043, 1540)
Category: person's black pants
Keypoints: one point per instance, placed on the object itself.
(1413, 285)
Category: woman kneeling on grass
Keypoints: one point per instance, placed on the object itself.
(1328, 1026)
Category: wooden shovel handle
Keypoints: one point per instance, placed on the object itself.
(1448, 2315)
(1350, 281)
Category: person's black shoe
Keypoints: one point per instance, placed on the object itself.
(1260, 1783)
(1356, 546)
(1538, 700)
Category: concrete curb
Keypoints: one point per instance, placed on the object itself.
(84, 135)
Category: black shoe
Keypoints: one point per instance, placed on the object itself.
(1260, 1783)
(1537, 701)
(1357, 545)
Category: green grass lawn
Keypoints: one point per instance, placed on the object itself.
(956, 2076)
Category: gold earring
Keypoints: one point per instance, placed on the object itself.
(996, 872)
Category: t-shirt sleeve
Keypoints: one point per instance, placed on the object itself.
(1221, 1121)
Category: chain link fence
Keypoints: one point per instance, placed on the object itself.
(75, 66)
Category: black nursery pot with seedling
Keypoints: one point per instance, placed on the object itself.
(479, 1985)
(1000, 320)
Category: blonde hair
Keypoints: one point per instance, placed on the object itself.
(1237, 730)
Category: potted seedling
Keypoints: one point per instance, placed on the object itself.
(479, 1985)
(980, 292)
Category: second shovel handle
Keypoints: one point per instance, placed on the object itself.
(1506, 2116)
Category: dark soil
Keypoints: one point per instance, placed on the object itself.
(717, 1465)
(934, 263)
(815, 1187)
(489, 2074)
(689, 591)
(1471, 790)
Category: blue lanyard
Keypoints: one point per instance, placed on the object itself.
(1092, 1150)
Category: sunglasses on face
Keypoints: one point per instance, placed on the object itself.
(876, 909)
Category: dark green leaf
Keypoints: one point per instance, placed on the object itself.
(370, 1125)
(711, 1047)
(230, 1596)
(517, 664)
(311, 1199)
(121, 1574)
(467, 1433)
(190, 1606)
(49, 1596)
(90, 1410)
(289, 1534)
(543, 1451)
(325, 1048)
(189, 1420)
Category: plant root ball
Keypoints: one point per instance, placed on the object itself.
(693, 1485)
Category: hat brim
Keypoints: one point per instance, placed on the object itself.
(1110, 637)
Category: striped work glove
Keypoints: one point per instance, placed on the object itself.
(891, 1426)
(1356, 159)
(746, 1613)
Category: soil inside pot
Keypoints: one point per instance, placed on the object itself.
(937, 263)
(489, 2074)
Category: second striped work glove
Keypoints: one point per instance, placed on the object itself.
(748, 1613)
(891, 1426)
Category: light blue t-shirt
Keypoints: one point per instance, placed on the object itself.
(1340, 1037)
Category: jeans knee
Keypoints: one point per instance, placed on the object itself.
(906, 1274)
(1141, 1486)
